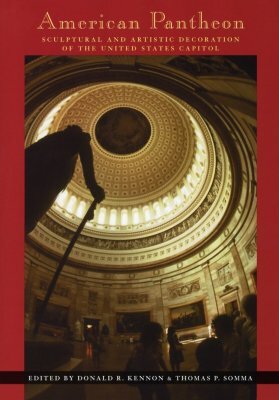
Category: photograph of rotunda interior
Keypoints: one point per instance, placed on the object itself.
(165, 271)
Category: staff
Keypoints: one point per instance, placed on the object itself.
(90, 212)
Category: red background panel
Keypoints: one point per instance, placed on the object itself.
(19, 37)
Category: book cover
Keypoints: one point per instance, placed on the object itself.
(151, 253)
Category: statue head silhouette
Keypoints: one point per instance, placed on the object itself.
(73, 129)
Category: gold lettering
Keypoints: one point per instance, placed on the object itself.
(47, 20)
(67, 25)
(156, 17)
(82, 24)
(215, 24)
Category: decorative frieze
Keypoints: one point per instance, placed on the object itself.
(58, 290)
(225, 275)
(206, 66)
(183, 290)
(132, 298)
(251, 248)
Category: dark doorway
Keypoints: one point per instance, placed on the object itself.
(231, 307)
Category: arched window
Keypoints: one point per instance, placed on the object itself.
(81, 209)
(71, 204)
(102, 215)
(135, 216)
(146, 213)
(124, 217)
(112, 217)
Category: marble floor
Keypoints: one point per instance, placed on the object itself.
(115, 357)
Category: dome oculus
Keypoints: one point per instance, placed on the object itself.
(123, 130)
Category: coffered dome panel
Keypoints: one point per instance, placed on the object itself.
(169, 150)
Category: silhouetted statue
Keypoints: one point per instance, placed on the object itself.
(49, 167)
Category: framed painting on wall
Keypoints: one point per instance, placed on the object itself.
(55, 314)
(188, 316)
(131, 322)
(231, 307)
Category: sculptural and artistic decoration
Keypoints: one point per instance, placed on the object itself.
(132, 298)
(251, 248)
(225, 274)
(184, 290)
(204, 66)
(59, 290)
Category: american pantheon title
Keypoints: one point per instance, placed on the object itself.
(157, 20)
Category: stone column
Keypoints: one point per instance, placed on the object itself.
(159, 303)
(240, 269)
(73, 312)
(107, 312)
(106, 304)
(75, 319)
(165, 322)
(210, 289)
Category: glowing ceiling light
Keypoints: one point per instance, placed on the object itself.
(61, 198)
(124, 217)
(42, 134)
(200, 161)
(135, 216)
(146, 212)
(185, 190)
(102, 215)
(197, 171)
(178, 200)
(168, 208)
(168, 205)
(157, 209)
(71, 204)
(46, 123)
(202, 149)
(81, 209)
(112, 217)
